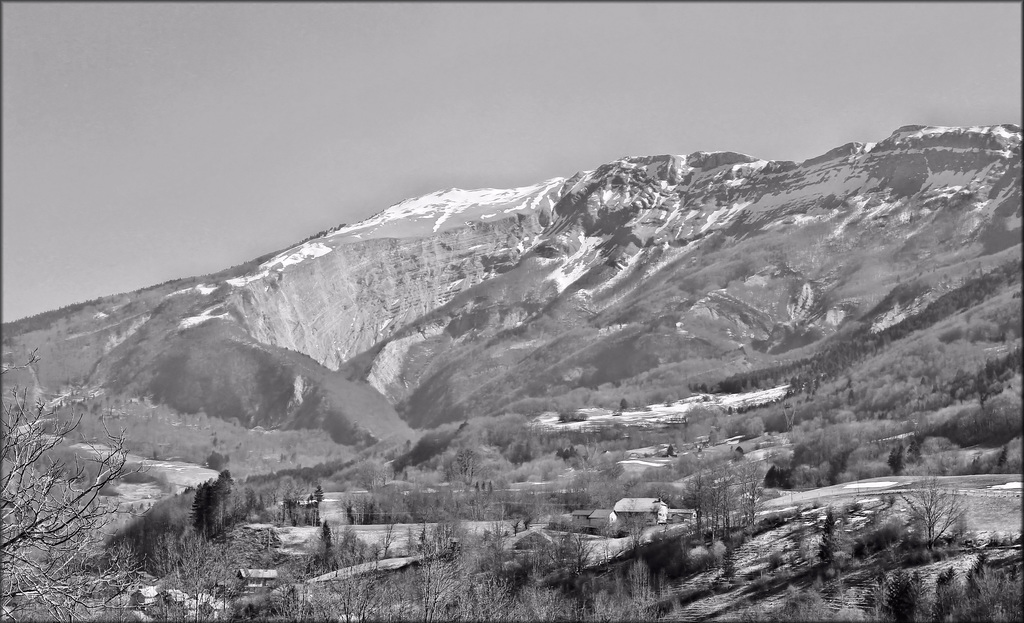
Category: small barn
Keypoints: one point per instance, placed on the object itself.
(652, 510)
(533, 541)
(602, 517)
(581, 518)
(681, 515)
(256, 579)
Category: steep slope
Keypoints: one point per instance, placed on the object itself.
(644, 275)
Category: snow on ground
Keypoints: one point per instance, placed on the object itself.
(178, 473)
(899, 313)
(99, 315)
(1009, 485)
(760, 396)
(885, 484)
(296, 255)
(201, 318)
(655, 415)
(241, 281)
(575, 265)
(1005, 136)
(442, 205)
(205, 289)
(642, 463)
(307, 251)
(410, 218)
(712, 217)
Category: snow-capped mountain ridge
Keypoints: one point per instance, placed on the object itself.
(456, 207)
(440, 301)
(441, 205)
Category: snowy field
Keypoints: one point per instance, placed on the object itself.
(660, 414)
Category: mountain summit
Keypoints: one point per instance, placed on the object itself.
(642, 276)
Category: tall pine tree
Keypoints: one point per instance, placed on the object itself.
(827, 548)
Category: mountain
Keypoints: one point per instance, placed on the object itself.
(640, 278)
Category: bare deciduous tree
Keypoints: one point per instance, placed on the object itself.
(937, 509)
(635, 526)
(387, 540)
(697, 493)
(466, 465)
(750, 482)
(439, 584)
(53, 513)
(372, 475)
(572, 551)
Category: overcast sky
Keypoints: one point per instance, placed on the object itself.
(145, 142)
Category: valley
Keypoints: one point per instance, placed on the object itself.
(671, 387)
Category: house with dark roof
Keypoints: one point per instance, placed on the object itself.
(602, 517)
(256, 579)
(581, 518)
(593, 519)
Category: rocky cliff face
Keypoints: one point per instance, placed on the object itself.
(363, 291)
(645, 271)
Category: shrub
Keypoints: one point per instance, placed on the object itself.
(718, 551)
(889, 534)
(802, 605)
(761, 582)
(700, 558)
(901, 592)
(571, 416)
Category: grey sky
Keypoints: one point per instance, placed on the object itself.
(144, 142)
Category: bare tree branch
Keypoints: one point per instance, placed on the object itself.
(52, 513)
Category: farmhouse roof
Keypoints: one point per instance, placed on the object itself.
(582, 513)
(533, 540)
(387, 564)
(266, 574)
(601, 513)
(637, 505)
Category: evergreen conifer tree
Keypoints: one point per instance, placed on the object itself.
(201, 508)
(827, 548)
(896, 459)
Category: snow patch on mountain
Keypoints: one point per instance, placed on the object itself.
(386, 371)
(657, 415)
(1006, 136)
(575, 265)
(118, 337)
(442, 206)
(626, 269)
(800, 309)
(206, 314)
(834, 316)
(898, 314)
(307, 251)
(245, 280)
